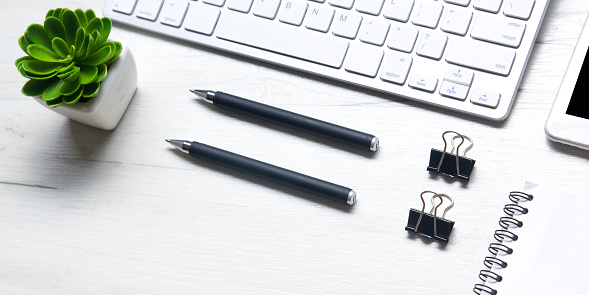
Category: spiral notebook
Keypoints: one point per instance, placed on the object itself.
(544, 251)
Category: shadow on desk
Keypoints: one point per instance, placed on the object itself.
(265, 183)
(425, 240)
(567, 149)
(293, 132)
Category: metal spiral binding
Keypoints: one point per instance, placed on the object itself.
(500, 235)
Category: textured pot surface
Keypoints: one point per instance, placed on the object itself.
(105, 110)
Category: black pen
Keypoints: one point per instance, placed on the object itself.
(289, 119)
(297, 180)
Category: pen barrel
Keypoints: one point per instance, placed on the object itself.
(294, 120)
(267, 171)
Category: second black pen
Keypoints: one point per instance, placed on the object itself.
(289, 119)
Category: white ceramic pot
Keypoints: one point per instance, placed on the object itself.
(105, 110)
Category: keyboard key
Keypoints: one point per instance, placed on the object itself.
(319, 18)
(459, 75)
(347, 4)
(266, 8)
(173, 12)
(372, 7)
(283, 39)
(124, 6)
(374, 31)
(201, 18)
(215, 2)
(396, 68)
(456, 21)
(423, 82)
(293, 11)
(149, 9)
(519, 8)
(485, 98)
(240, 5)
(459, 2)
(364, 60)
(454, 90)
(498, 30)
(488, 5)
(432, 45)
(398, 10)
(481, 56)
(428, 14)
(346, 25)
(402, 38)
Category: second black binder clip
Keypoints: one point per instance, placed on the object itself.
(429, 225)
(450, 164)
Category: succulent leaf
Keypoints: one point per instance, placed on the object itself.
(66, 60)
(39, 67)
(42, 53)
(60, 47)
(34, 76)
(66, 75)
(106, 27)
(91, 90)
(69, 87)
(102, 71)
(23, 42)
(30, 75)
(35, 87)
(57, 12)
(54, 28)
(80, 51)
(90, 48)
(71, 99)
(52, 91)
(117, 51)
(36, 33)
(78, 41)
(81, 17)
(67, 68)
(20, 60)
(71, 23)
(95, 24)
(99, 57)
(74, 74)
(89, 14)
(54, 102)
(49, 13)
(88, 75)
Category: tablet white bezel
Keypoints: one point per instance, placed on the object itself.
(560, 126)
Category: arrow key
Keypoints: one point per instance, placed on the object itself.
(424, 83)
(459, 75)
(454, 90)
(485, 98)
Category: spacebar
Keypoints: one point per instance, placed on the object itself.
(282, 38)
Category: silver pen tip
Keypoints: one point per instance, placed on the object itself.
(182, 145)
(202, 94)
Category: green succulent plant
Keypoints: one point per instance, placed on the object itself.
(67, 57)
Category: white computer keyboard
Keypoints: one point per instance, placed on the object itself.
(464, 55)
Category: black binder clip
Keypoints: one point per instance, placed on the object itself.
(451, 164)
(430, 225)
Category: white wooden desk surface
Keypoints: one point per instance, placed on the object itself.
(85, 211)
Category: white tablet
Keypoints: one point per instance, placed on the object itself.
(568, 121)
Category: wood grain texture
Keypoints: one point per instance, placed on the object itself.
(85, 211)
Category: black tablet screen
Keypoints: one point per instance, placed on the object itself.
(579, 104)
